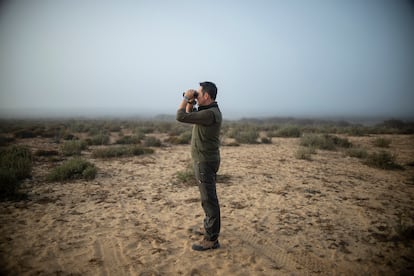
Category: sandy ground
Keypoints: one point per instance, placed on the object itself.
(280, 216)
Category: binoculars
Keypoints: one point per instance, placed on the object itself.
(195, 94)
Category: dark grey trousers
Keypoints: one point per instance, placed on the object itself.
(206, 173)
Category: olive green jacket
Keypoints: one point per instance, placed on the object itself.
(205, 140)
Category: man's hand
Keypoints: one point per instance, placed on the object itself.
(188, 101)
(189, 93)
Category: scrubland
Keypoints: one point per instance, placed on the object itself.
(118, 197)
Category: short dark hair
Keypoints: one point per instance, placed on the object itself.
(209, 88)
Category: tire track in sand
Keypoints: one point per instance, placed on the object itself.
(303, 263)
(109, 252)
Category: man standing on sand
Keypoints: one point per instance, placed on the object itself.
(205, 143)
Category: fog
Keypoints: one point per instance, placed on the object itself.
(268, 58)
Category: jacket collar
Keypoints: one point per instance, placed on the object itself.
(203, 107)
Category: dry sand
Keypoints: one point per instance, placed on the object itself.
(280, 216)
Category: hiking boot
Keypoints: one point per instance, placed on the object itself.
(206, 245)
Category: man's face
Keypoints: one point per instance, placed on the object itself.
(201, 99)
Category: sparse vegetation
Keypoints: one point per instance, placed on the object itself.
(382, 142)
(121, 151)
(75, 168)
(357, 153)
(305, 153)
(15, 165)
(288, 131)
(187, 176)
(128, 140)
(181, 139)
(151, 141)
(98, 139)
(73, 147)
(324, 142)
(245, 134)
(382, 160)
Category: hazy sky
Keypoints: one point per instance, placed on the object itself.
(281, 58)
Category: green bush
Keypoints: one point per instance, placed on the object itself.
(137, 150)
(305, 153)
(15, 165)
(317, 141)
(382, 142)
(127, 140)
(121, 151)
(382, 160)
(17, 159)
(288, 131)
(182, 139)
(324, 142)
(244, 134)
(355, 131)
(98, 139)
(151, 141)
(75, 168)
(73, 147)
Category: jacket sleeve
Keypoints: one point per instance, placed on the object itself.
(204, 117)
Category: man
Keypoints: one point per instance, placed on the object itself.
(205, 153)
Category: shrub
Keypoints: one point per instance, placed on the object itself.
(305, 153)
(317, 141)
(324, 142)
(340, 142)
(356, 131)
(357, 153)
(382, 142)
(136, 150)
(73, 147)
(98, 139)
(76, 168)
(110, 152)
(245, 135)
(151, 141)
(121, 151)
(126, 140)
(17, 159)
(382, 160)
(186, 176)
(15, 165)
(288, 131)
(183, 139)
